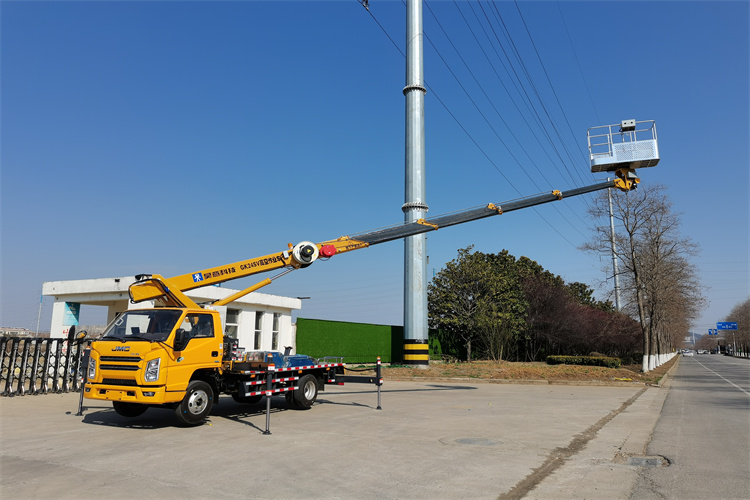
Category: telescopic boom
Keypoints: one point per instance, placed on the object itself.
(170, 291)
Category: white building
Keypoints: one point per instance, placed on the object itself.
(15, 332)
(258, 320)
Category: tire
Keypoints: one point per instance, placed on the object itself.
(129, 410)
(249, 400)
(306, 393)
(197, 403)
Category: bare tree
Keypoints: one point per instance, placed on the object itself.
(740, 314)
(660, 284)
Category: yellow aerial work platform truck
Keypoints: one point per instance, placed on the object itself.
(175, 354)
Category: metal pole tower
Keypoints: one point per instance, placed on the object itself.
(614, 251)
(415, 207)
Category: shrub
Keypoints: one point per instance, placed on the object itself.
(585, 361)
(634, 358)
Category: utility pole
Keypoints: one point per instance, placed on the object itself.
(614, 251)
(415, 207)
(39, 313)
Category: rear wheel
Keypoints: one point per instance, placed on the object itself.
(129, 409)
(197, 403)
(306, 393)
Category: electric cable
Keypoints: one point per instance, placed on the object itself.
(552, 87)
(533, 87)
(472, 139)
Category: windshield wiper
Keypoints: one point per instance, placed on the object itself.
(136, 337)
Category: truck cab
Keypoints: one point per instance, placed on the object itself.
(151, 357)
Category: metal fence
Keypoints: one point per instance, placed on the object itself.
(41, 366)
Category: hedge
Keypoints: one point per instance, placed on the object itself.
(584, 360)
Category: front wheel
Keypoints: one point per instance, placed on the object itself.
(197, 403)
(129, 410)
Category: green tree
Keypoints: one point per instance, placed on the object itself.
(584, 295)
(477, 303)
(499, 307)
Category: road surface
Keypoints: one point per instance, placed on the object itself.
(704, 432)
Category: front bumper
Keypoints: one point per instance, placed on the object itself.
(131, 394)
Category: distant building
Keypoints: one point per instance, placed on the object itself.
(258, 320)
(16, 332)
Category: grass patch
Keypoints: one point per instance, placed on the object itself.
(506, 370)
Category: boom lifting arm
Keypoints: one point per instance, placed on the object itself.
(170, 291)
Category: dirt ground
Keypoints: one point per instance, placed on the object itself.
(506, 370)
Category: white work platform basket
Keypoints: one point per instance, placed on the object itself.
(628, 144)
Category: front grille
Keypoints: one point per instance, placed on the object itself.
(118, 381)
(126, 368)
(121, 359)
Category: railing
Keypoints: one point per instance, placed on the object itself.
(40, 366)
(618, 145)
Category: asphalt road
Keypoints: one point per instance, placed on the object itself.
(704, 432)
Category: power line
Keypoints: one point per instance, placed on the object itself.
(506, 33)
(552, 87)
(500, 80)
(468, 25)
(533, 87)
(472, 139)
(463, 60)
(476, 106)
(578, 63)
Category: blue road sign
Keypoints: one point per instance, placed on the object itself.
(726, 325)
(713, 331)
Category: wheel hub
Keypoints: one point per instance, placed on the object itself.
(310, 390)
(197, 402)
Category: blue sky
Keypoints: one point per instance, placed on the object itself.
(165, 137)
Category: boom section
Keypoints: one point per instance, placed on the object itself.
(169, 291)
(469, 215)
(220, 274)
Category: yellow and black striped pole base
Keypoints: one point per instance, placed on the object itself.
(416, 352)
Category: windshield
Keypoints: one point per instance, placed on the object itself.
(152, 325)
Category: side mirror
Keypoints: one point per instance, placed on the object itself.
(81, 336)
(181, 339)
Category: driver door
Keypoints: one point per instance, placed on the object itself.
(203, 349)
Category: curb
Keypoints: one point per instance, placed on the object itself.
(668, 374)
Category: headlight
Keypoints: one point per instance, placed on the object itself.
(152, 370)
(92, 369)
